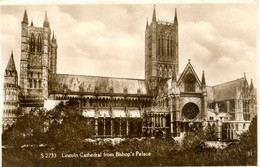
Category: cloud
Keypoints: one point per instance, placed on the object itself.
(108, 40)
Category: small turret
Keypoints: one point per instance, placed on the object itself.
(31, 23)
(25, 17)
(251, 86)
(203, 81)
(154, 14)
(46, 22)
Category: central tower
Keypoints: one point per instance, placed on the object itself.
(161, 51)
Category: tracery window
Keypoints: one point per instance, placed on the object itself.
(30, 83)
(189, 83)
(39, 49)
(32, 43)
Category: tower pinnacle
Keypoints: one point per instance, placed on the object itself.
(175, 17)
(251, 86)
(46, 22)
(25, 17)
(203, 81)
(154, 13)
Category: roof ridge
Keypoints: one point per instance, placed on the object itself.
(227, 82)
(102, 76)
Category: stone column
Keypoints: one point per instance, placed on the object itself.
(164, 120)
(104, 126)
(219, 130)
(120, 127)
(171, 113)
(127, 129)
(96, 126)
(112, 129)
(228, 106)
(228, 134)
(152, 115)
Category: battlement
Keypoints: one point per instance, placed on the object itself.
(165, 22)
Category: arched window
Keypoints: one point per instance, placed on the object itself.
(189, 84)
(100, 128)
(117, 132)
(35, 83)
(139, 128)
(30, 83)
(108, 128)
(32, 43)
(131, 128)
(39, 48)
(123, 128)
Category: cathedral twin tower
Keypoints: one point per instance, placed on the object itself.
(38, 62)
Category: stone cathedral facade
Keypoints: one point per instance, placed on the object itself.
(166, 102)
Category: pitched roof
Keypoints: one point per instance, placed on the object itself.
(83, 83)
(227, 90)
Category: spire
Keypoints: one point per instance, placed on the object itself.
(175, 17)
(251, 86)
(32, 23)
(46, 22)
(11, 66)
(25, 17)
(203, 81)
(147, 23)
(154, 14)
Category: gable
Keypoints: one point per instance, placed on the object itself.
(189, 72)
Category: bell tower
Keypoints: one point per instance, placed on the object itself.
(161, 50)
(37, 63)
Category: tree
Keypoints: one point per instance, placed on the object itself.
(63, 127)
(248, 143)
(28, 129)
(68, 127)
(211, 133)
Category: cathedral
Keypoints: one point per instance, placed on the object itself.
(167, 102)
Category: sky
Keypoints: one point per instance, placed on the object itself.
(108, 39)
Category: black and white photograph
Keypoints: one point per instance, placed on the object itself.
(129, 84)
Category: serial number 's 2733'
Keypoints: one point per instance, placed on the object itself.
(48, 155)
